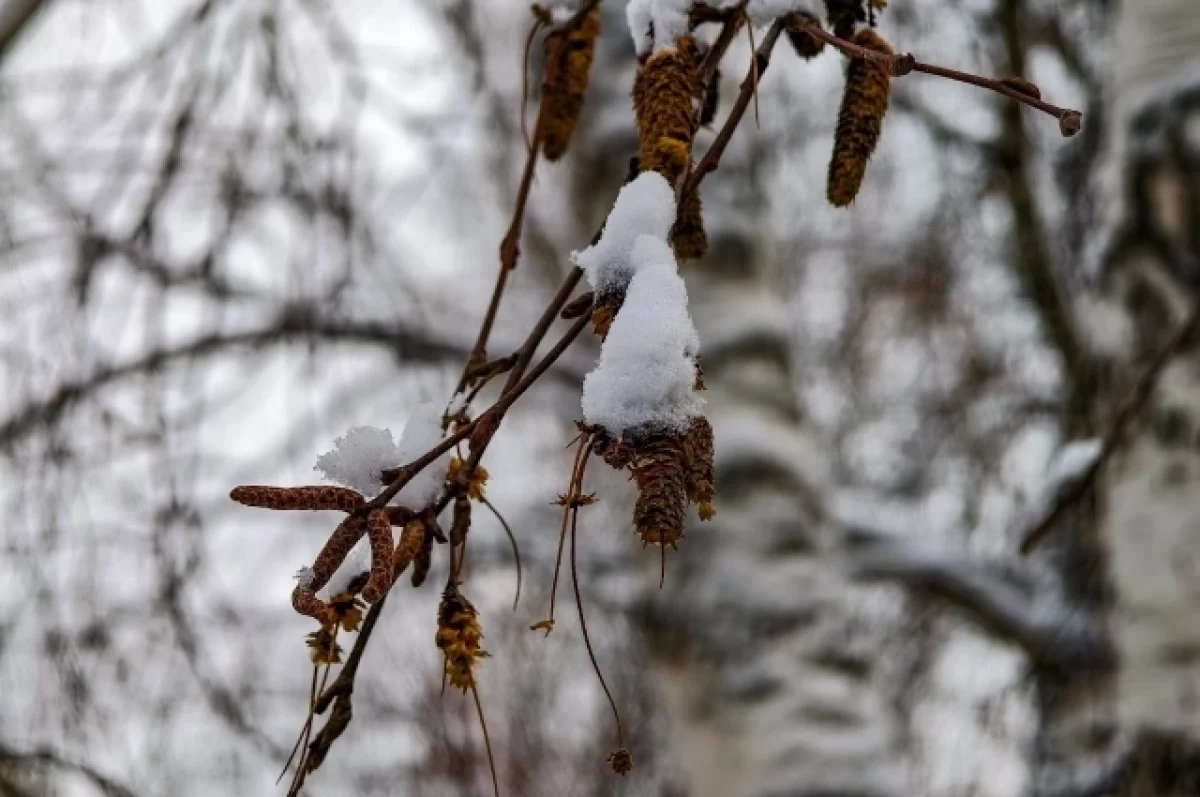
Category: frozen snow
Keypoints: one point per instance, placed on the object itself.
(359, 457)
(1070, 463)
(669, 18)
(459, 402)
(646, 374)
(645, 206)
(305, 576)
(357, 561)
(422, 432)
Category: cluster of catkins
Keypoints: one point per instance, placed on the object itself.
(364, 461)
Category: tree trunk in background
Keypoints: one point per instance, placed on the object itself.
(1137, 734)
(764, 651)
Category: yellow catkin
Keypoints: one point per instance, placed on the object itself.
(659, 470)
(688, 237)
(568, 63)
(663, 96)
(864, 103)
(459, 635)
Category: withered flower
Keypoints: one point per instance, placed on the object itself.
(458, 637)
(346, 610)
(323, 647)
(478, 481)
(860, 121)
(806, 45)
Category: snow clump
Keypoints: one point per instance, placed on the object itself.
(646, 375)
(363, 453)
(669, 18)
(645, 206)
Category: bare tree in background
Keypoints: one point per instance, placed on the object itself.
(248, 231)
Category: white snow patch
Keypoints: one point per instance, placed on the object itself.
(459, 402)
(645, 206)
(669, 18)
(422, 432)
(357, 561)
(358, 458)
(646, 374)
(1070, 463)
(305, 576)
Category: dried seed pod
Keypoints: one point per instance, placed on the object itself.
(864, 103)
(698, 456)
(659, 472)
(568, 62)
(379, 533)
(461, 522)
(806, 45)
(458, 637)
(423, 560)
(663, 93)
(688, 238)
(411, 540)
(699, 383)
(337, 547)
(844, 16)
(302, 498)
(621, 761)
(616, 454)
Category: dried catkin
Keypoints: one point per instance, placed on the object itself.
(698, 456)
(663, 95)
(864, 103)
(298, 498)
(423, 560)
(688, 237)
(460, 523)
(568, 63)
(844, 15)
(379, 534)
(458, 637)
(806, 45)
(659, 472)
(411, 540)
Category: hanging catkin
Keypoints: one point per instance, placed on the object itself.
(568, 64)
(663, 94)
(865, 101)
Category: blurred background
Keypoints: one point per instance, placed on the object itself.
(232, 229)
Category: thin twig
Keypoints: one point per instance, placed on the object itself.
(582, 623)
(1069, 120)
(487, 740)
(512, 540)
(762, 59)
(1130, 410)
(568, 501)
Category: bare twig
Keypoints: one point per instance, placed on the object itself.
(1112, 439)
(1069, 121)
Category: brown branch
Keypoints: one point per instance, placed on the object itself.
(762, 59)
(1069, 121)
(14, 19)
(1130, 410)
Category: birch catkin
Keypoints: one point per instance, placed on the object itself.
(568, 64)
(663, 93)
(864, 103)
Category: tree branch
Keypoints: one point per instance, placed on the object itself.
(1051, 634)
(15, 16)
